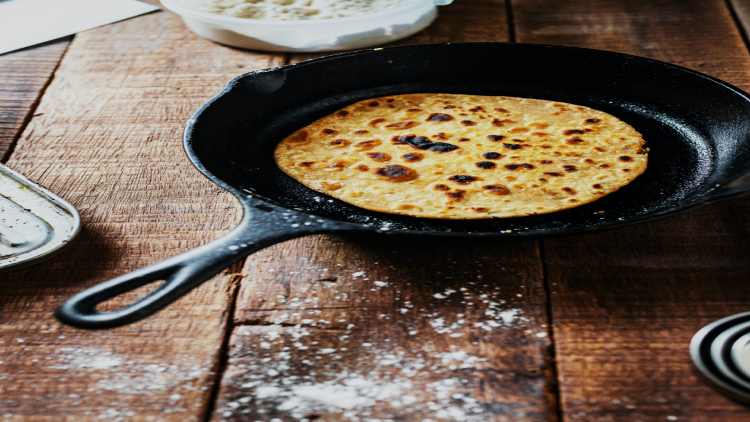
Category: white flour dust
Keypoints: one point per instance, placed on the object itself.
(124, 375)
(306, 370)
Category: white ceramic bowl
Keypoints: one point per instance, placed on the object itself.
(310, 35)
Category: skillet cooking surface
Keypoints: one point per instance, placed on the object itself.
(696, 127)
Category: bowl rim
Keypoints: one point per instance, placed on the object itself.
(407, 5)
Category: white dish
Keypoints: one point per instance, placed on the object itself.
(310, 35)
(34, 222)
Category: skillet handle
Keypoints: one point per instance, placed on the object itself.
(734, 188)
(184, 272)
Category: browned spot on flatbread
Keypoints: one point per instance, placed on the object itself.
(456, 195)
(423, 143)
(486, 165)
(463, 179)
(340, 143)
(397, 173)
(379, 156)
(439, 117)
(376, 122)
(331, 186)
(299, 137)
(408, 124)
(521, 166)
(497, 189)
(502, 122)
(400, 140)
(568, 190)
(413, 156)
(339, 165)
(367, 145)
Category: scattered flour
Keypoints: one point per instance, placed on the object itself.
(298, 372)
(87, 358)
(126, 376)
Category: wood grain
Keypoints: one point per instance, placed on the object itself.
(348, 328)
(23, 77)
(625, 303)
(107, 137)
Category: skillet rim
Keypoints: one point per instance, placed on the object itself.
(248, 200)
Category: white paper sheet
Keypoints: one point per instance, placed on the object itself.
(28, 22)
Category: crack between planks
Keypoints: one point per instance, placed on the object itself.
(34, 105)
(510, 21)
(554, 377)
(223, 355)
(738, 23)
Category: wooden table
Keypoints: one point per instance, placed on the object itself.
(585, 327)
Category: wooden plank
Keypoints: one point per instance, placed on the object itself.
(349, 328)
(23, 77)
(107, 137)
(626, 303)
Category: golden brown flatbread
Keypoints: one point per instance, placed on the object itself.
(464, 156)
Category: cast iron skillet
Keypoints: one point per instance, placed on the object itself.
(697, 128)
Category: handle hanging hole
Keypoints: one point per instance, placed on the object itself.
(128, 298)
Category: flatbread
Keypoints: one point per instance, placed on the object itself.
(463, 157)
